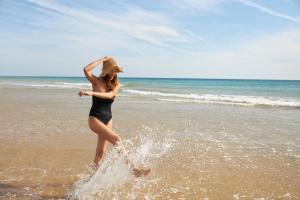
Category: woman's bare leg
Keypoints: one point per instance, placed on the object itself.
(107, 134)
(101, 146)
(100, 150)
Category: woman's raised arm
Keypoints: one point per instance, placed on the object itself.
(88, 68)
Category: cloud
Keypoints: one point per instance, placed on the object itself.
(268, 10)
(200, 5)
(213, 6)
(274, 56)
(135, 22)
(59, 37)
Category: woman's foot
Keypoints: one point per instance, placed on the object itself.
(139, 171)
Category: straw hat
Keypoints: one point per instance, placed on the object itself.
(110, 65)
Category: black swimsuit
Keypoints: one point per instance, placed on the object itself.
(101, 109)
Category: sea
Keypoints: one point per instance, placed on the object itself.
(202, 138)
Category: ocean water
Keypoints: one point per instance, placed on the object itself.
(202, 138)
(284, 93)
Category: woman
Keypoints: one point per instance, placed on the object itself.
(105, 88)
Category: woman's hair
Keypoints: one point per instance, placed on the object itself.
(111, 84)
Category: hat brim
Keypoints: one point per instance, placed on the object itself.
(119, 69)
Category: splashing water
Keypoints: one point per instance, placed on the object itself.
(113, 180)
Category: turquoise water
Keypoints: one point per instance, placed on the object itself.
(276, 88)
(282, 93)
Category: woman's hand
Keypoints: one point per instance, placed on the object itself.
(105, 58)
(85, 93)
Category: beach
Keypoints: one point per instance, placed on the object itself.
(202, 138)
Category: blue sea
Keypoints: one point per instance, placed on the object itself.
(272, 93)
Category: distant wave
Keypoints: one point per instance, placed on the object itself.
(62, 85)
(221, 99)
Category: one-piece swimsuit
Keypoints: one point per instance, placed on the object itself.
(101, 109)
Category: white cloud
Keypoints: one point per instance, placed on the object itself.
(135, 22)
(64, 40)
(214, 5)
(200, 5)
(269, 57)
(268, 10)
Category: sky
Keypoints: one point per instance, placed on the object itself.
(232, 39)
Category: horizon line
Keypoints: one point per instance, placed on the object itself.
(154, 77)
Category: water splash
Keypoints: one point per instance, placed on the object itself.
(113, 180)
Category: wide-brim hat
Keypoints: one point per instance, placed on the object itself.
(110, 65)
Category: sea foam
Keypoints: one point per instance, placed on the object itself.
(220, 99)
